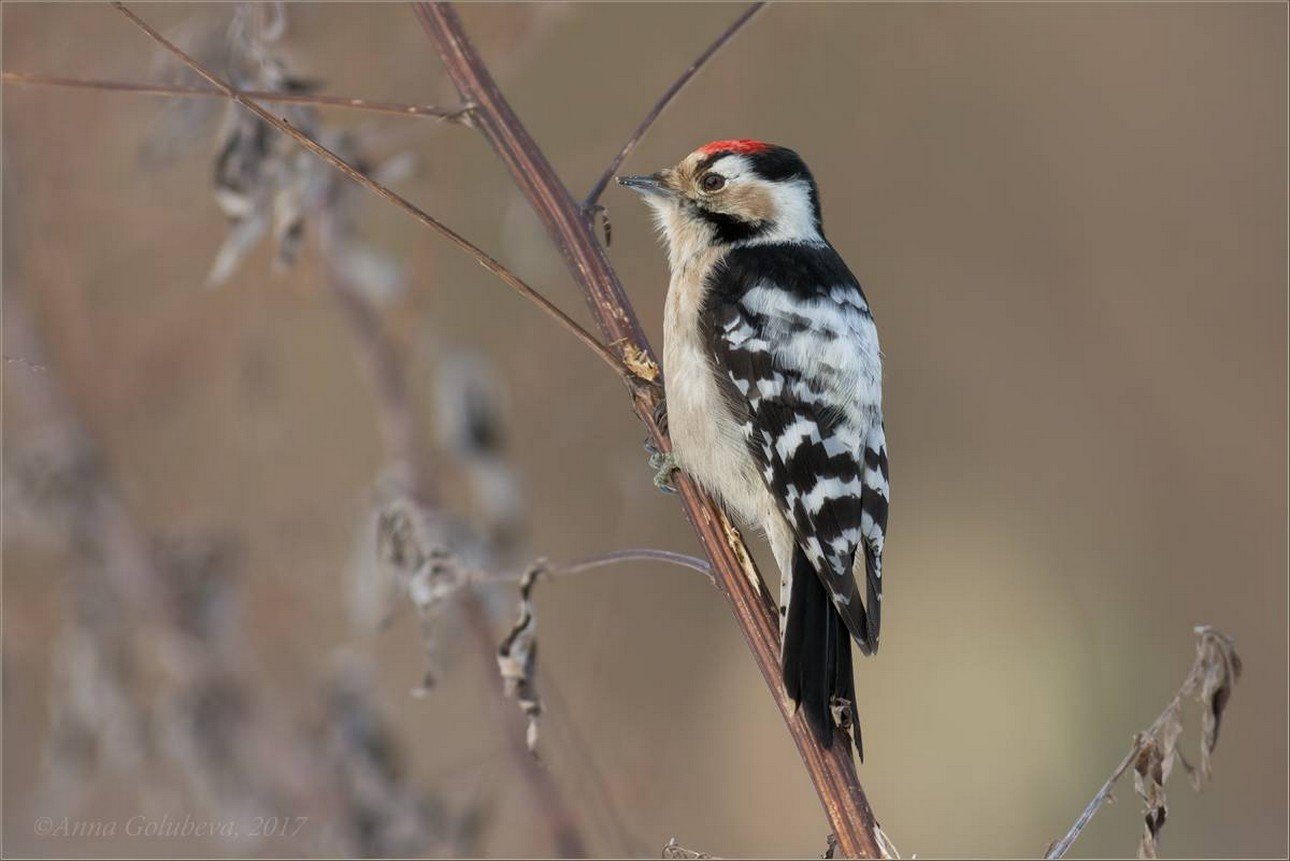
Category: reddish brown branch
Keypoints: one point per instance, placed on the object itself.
(832, 771)
(665, 100)
(274, 97)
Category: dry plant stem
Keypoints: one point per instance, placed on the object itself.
(449, 114)
(832, 771)
(666, 99)
(387, 379)
(507, 276)
(617, 557)
(636, 555)
(1061, 847)
(385, 367)
(628, 845)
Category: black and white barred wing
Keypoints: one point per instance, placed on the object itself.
(804, 358)
(873, 521)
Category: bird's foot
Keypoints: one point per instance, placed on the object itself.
(664, 465)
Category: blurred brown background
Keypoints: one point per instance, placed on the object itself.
(1071, 222)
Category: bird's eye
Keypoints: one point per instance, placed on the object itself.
(712, 182)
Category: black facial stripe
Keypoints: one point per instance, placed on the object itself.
(729, 229)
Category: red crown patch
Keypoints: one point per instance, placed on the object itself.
(742, 146)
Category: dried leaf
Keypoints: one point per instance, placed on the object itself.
(517, 657)
(263, 183)
(242, 239)
(413, 543)
(289, 219)
(1148, 781)
(470, 413)
(1167, 729)
(380, 277)
(398, 168)
(607, 225)
(639, 363)
(1219, 668)
(735, 541)
(1193, 773)
(598, 210)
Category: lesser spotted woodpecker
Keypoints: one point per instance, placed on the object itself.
(773, 386)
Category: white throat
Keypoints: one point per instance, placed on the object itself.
(686, 238)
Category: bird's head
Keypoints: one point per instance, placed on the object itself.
(732, 191)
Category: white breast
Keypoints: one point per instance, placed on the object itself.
(707, 440)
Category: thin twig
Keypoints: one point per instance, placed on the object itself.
(666, 99)
(637, 555)
(617, 557)
(1060, 847)
(273, 96)
(832, 770)
(629, 845)
(488, 262)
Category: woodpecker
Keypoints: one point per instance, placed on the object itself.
(773, 392)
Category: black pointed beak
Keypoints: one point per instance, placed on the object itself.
(650, 184)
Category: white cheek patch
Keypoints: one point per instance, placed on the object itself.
(794, 218)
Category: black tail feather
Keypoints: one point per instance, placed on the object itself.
(873, 601)
(844, 684)
(817, 655)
